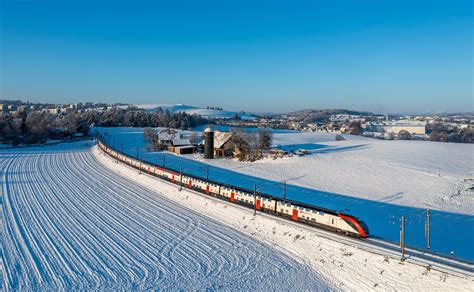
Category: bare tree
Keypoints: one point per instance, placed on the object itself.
(265, 138)
(153, 139)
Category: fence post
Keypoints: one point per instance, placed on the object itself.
(428, 223)
(402, 238)
(180, 177)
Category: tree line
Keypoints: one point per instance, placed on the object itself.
(37, 127)
(450, 133)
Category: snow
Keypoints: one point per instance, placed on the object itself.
(69, 222)
(410, 173)
(344, 266)
(204, 112)
(376, 180)
(226, 128)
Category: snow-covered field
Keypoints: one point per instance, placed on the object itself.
(389, 179)
(69, 222)
(204, 112)
(344, 266)
(411, 173)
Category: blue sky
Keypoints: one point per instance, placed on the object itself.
(270, 56)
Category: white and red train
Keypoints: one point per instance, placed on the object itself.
(309, 214)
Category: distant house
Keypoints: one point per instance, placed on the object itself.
(53, 111)
(374, 127)
(416, 128)
(166, 137)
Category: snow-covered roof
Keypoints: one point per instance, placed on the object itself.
(220, 138)
(181, 142)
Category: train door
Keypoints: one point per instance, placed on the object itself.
(295, 215)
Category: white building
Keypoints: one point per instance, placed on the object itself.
(417, 128)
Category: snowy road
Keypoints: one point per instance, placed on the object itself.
(69, 222)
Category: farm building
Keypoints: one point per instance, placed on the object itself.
(222, 145)
(186, 149)
(181, 146)
(412, 128)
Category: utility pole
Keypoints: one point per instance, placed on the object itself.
(402, 238)
(428, 243)
(164, 160)
(284, 190)
(255, 200)
(207, 173)
(140, 167)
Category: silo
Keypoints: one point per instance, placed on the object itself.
(208, 143)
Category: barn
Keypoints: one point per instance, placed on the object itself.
(222, 144)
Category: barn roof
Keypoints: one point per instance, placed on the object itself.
(220, 138)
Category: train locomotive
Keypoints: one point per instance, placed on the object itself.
(292, 210)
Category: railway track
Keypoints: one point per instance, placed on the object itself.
(376, 245)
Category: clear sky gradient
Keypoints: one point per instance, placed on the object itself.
(267, 56)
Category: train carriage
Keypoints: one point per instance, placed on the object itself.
(308, 214)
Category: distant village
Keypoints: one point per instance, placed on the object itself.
(456, 128)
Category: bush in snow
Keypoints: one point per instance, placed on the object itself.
(339, 138)
(404, 135)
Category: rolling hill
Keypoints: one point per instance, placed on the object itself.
(204, 112)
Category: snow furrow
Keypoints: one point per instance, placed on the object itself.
(69, 222)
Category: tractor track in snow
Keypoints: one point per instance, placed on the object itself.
(69, 222)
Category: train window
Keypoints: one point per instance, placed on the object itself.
(332, 221)
(321, 213)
